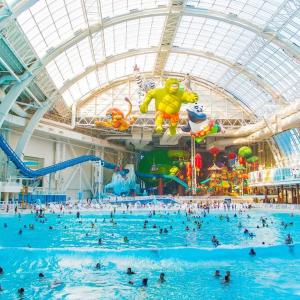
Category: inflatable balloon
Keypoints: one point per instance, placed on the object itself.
(144, 85)
(231, 155)
(174, 171)
(245, 151)
(198, 162)
(198, 125)
(188, 169)
(242, 160)
(252, 159)
(199, 140)
(116, 119)
(168, 100)
(214, 151)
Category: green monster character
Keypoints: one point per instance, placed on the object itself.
(168, 100)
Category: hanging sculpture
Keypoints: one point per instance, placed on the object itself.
(198, 125)
(144, 85)
(115, 118)
(168, 100)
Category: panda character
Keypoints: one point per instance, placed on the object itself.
(196, 118)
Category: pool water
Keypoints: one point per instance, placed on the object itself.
(69, 252)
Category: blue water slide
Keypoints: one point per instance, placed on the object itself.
(20, 165)
(175, 178)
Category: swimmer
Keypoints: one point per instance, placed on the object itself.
(1, 289)
(145, 282)
(1, 271)
(226, 277)
(161, 278)
(289, 239)
(98, 266)
(78, 215)
(252, 252)
(129, 271)
(20, 231)
(165, 230)
(126, 240)
(5, 225)
(100, 241)
(217, 273)
(21, 291)
(131, 282)
(41, 275)
(215, 241)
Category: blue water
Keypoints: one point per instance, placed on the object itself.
(188, 258)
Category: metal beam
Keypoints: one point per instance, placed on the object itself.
(210, 56)
(268, 35)
(11, 97)
(172, 22)
(28, 130)
(197, 80)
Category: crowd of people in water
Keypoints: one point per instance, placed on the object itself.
(198, 213)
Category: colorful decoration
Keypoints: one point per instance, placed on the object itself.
(116, 120)
(168, 100)
(231, 156)
(198, 124)
(174, 170)
(214, 151)
(189, 171)
(245, 151)
(242, 160)
(252, 159)
(198, 163)
(144, 85)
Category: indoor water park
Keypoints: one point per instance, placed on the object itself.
(150, 149)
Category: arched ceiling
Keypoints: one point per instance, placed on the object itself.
(250, 48)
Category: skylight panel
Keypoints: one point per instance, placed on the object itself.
(275, 67)
(55, 22)
(249, 93)
(134, 34)
(256, 11)
(111, 8)
(214, 36)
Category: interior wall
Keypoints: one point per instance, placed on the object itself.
(54, 151)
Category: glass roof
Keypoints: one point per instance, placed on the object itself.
(51, 23)
(256, 11)
(222, 39)
(100, 77)
(139, 33)
(196, 66)
(289, 144)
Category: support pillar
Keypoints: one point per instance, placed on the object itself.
(286, 195)
(297, 194)
(266, 194)
(160, 188)
(11, 97)
(282, 195)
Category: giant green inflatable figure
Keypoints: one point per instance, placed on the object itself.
(168, 100)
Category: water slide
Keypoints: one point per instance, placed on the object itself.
(21, 166)
(175, 178)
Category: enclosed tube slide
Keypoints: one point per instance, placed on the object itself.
(20, 165)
